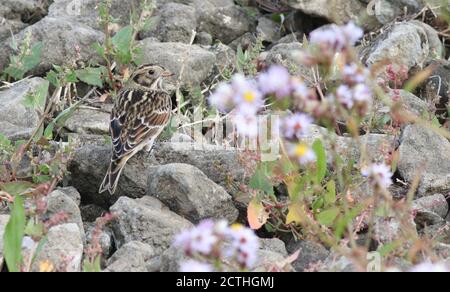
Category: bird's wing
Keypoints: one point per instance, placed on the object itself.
(137, 118)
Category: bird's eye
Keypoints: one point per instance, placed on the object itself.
(151, 72)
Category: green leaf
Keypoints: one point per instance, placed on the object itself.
(328, 217)
(16, 188)
(40, 179)
(13, 236)
(48, 133)
(53, 78)
(92, 267)
(100, 50)
(91, 76)
(20, 65)
(260, 181)
(330, 195)
(321, 155)
(36, 99)
(32, 60)
(5, 142)
(122, 42)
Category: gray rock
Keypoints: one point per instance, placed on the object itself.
(437, 88)
(86, 11)
(90, 212)
(442, 250)
(337, 263)
(436, 204)
(407, 44)
(132, 257)
(198, 62)
(176, 24)
(59, 202)
(72, 193)
(89, 121)
(225, 58)
(410, 103)
(171, 259)
(63, 248)
(267, 260)
(310, 253)
(16, 121)
(273, 244)
(203, 38)
(387, 230)
(287, 55)
(3, 221)
(91, 162)
(426, 153)
(268, 30)
(65, 42)
(348, 148)
(340, 11)
(439, 232)
(224, 23)
(146, 220)
(8, 26)
(190, 193)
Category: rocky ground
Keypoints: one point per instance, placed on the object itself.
(177, 186)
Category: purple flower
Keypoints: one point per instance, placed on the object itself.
(300, 89)
(297, 126)
(353, 33)
(276, 80)
(200, 239)
(331, 37)
(362, 94)
(336, 38)
(245, 245)
(378, 174)
(222, 98)
(302, 153)
(344, 96)
(354, 74)
(193, 266)
(246, 124)
(247, 94)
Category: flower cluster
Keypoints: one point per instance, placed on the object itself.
(335, 38)
(353, 93)
(379, 175)
(213, 242)
(246, 97)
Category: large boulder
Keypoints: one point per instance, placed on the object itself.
(17, 121)
(197, 63)
(146, 220)
(410, 44)
(65, 42)
(63, 248)
(189, 192)
(427, 154)
(88, 168)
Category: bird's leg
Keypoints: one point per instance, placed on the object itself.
(149, 147)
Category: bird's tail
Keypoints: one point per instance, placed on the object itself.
(112, 176)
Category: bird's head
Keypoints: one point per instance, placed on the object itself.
(149, 77)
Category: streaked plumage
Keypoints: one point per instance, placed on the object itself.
(141, 112)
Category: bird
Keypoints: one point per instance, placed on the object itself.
(140, 113)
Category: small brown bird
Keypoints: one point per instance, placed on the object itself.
(141, 112)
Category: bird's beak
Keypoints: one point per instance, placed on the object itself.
(167, 74)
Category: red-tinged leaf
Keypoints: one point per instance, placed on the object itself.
(257, 215)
